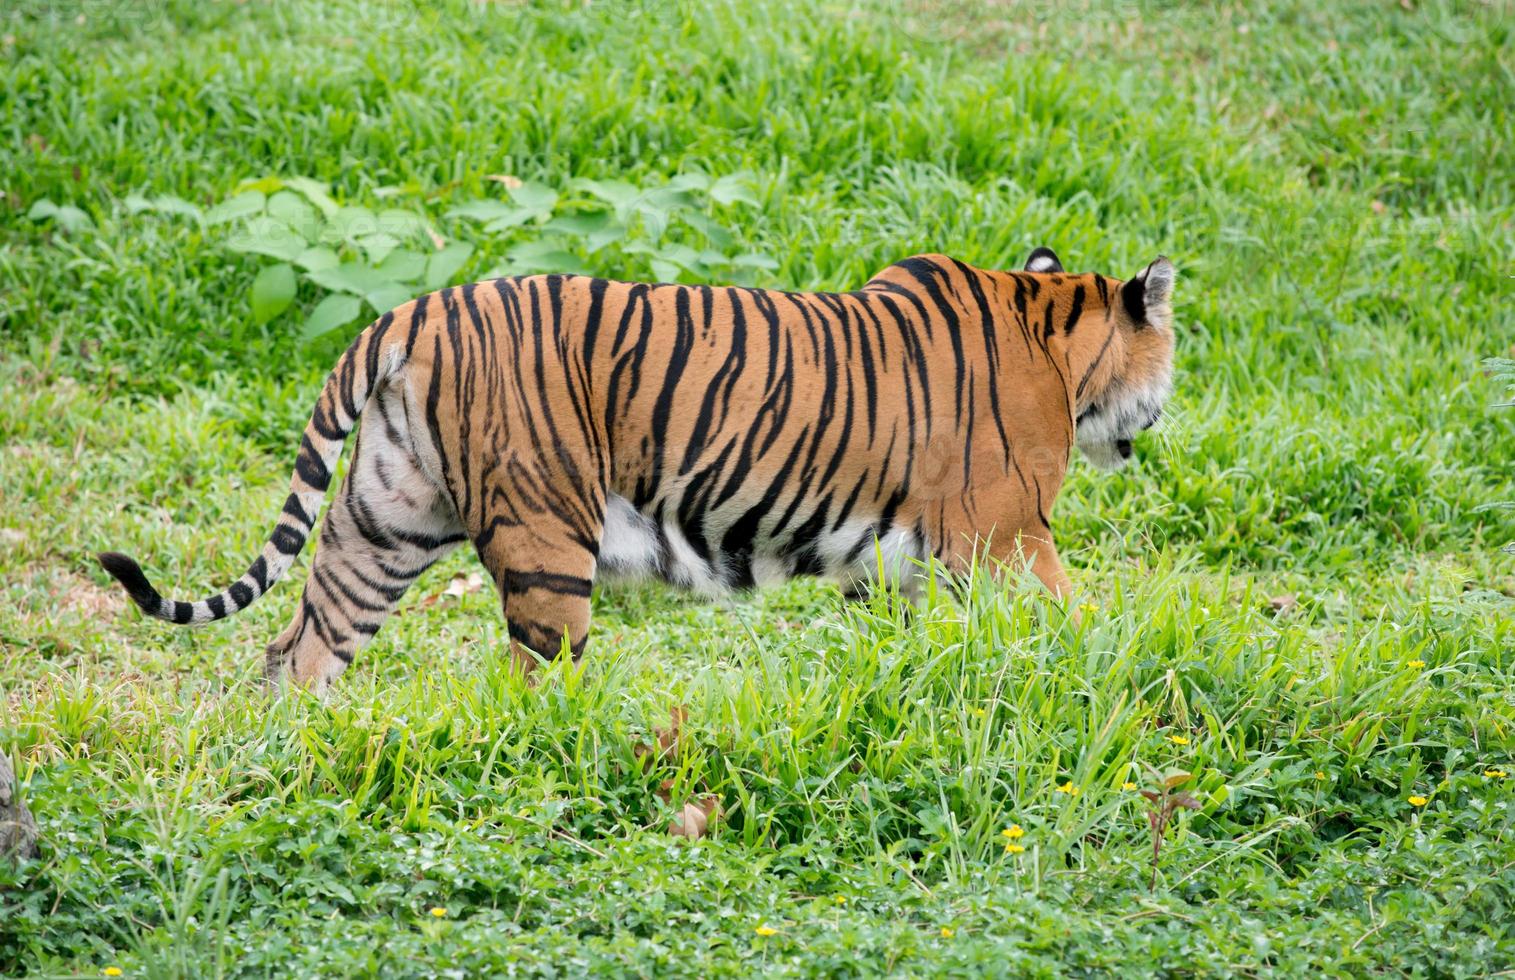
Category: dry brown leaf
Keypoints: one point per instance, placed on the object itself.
(510, 181)
(666, 738)
(437, 241)
(457, 587)
(1283, 604)
(694, 820)
(1378, 206)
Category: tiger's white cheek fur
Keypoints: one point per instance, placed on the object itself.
(1117, 417)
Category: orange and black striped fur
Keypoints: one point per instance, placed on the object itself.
(576, 429)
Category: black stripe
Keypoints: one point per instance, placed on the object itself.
(311, 468)
(288, 540)
(1076, 311)
(515, 583)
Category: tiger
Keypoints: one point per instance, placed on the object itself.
(578, 430)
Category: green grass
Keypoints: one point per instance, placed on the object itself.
(1333, 184)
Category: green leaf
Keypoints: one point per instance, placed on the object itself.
(387, 297)
(296, 212)
(654, 221)
(544, 255)
(755, 260)
(263, 185)
(162, 204)
(582, 223)
(66, 216)
(315, 192)
(401, 223)
(481, 210)
(263, 235)
(169, 204)
(682, 255)
(596, 228)
(516, 218)
(733, 189)
(712, 230)
(243, 205)
(349, 277)
(317, 257)
(272, 292)
(689, 182)
(537, 198)
(442, 266)
(665, 200)
(349, 224)
(404, 265)
(378, 246)
(330, 313)
(614, 192)
(665, 271)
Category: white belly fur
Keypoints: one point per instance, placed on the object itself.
(630, 551)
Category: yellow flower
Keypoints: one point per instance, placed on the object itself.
(766, 931)
(979, 712)
(438, 912)
(1418, 801)
(1013, 831)
(1319, 774)
(840, 899)
(946, 933)
(1495, 773)
(1178, 740)
(1416, 663)
(112, 971)
(1013, 849)
(1068, 788)
(1088, 608)
(1128, 786)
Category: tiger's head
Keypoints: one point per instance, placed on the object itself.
(1119, 343)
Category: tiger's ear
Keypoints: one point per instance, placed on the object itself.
(1043, 259)
(1150, 293)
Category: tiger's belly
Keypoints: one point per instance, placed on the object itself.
(636, 547)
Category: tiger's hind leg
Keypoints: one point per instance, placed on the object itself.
(388, 524)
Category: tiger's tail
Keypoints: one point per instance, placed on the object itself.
(372, 358)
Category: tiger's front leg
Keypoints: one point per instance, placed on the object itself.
(539, 539)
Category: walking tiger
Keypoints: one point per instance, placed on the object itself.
(576, 429)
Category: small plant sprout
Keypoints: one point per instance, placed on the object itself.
(1162, 804)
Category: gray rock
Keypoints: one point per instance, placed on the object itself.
(18, 829)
